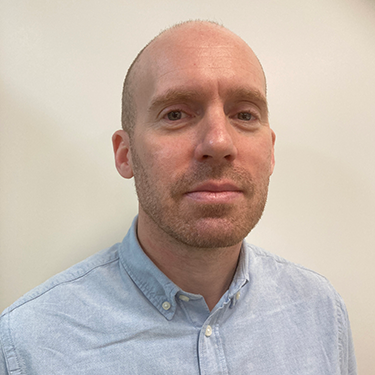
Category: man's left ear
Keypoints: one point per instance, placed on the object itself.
(121, 149)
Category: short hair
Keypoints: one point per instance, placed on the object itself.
(128, 111)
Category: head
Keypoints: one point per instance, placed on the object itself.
(196, 136)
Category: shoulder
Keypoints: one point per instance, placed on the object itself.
(305, 299)
(57, 307)
(272, 262)
(84, 272)
(282, 282)
(291, 278)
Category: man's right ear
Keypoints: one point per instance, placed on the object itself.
(121, 149)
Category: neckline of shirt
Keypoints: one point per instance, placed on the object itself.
(158, 288)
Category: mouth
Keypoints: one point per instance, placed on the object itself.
(215, 192)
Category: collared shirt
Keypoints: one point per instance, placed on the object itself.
(117, 313)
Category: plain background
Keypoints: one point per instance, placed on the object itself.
(62, 64)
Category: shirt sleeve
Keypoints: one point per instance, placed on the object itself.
(347, 356)
(4, 339)
(3, 367)
(352, 364)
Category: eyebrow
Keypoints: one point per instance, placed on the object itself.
(252, 95)
(177, 95)
(172, 96)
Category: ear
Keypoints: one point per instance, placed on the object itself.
(273, 135)
(121, 149)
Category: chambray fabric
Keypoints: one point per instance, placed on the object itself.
(105, 315)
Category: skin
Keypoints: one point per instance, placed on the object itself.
(201, 154)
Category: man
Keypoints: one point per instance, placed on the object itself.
(183, 294)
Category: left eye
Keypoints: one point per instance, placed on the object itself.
(245, 116)
(174, 115)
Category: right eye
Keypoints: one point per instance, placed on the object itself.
(174, 115)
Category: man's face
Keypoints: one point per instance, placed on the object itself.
(202, 149)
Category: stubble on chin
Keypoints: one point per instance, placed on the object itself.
(221, 225)
(201, 226)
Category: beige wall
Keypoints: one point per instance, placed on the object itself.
(62, 64)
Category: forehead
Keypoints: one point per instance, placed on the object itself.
(201, 59)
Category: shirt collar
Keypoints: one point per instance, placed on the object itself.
(157, 287)
(241, 277)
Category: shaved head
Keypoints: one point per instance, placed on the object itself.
(164, 42)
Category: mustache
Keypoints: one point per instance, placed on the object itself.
(204, 172)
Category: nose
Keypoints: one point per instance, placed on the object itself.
(215, 140)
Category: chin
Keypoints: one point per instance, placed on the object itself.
(211, 233)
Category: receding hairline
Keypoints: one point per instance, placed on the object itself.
(177, 26)
(128, 116)
(171, 29)
(132, 68)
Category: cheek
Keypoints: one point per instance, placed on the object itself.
(167, 155)
(258, 157)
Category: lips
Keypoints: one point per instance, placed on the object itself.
(216, 187)
(215, 192)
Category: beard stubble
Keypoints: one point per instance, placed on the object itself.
(200, 225)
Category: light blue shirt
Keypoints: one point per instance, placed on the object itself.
(117, 313)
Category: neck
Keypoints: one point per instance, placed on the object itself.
(207, 272)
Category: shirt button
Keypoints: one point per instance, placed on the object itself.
(184, 298)
(238, 295)
(208, 332)
(166, 305)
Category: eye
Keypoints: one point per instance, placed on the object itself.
(245, 116)
(174, 115)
